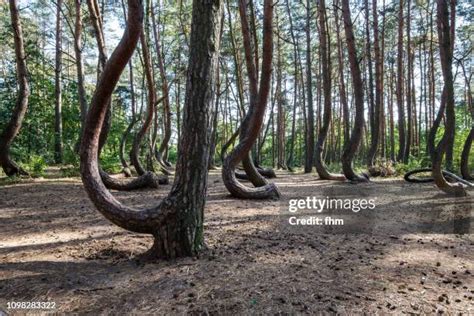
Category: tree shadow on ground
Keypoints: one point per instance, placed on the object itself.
(255, 264)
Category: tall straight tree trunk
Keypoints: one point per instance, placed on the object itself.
(370, 85)
(376, 127)
(133, 107)
(252, 123)
(163, 149)
(125, 166)
(81, 90)
(215, 118)
(97, 25)
(151, 100)
(13, 127)
(382, 121)
(177, 222)
(400, 73)
(308, 167)
(446, 55)
(58, 120)
(465, 172)
(281, 126)
(342, 85)
(237, 62)
(290, 160)
(450, 149)
(326, 70)
(470, 138)
(409, 136)
(350, 148)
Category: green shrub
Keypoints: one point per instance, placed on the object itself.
(36, 165)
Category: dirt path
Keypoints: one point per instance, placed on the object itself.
(413, 253)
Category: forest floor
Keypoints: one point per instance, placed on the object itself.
(413, 253)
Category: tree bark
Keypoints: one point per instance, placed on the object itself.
(58, 120)
(465, 172)
(177, 222)
(350, 148)
(163, 149)
(450, 149)
(151, 100)
(247, 162)
(215, 118)
(147, 179)
(309, 90)
(252, 122)
(400, 103)
(390, 112)
(290, 161)
(370, 81)
(323, 173)
(376, 127)
(13, 127)
(342, 85)
(446, 55)
(81, 90)
(409, 136)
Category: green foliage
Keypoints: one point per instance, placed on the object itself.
(413, 163)
(36, 166)
(70, 171)
(173, 154)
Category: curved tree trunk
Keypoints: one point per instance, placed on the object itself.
(431, 146)
(252, 68)
(350, 148)
(177, 222)
(252, 122)
(13, 127)
(326, 69)
(145, 180)
(446, 55)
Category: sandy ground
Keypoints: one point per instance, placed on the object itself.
(413, 253)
